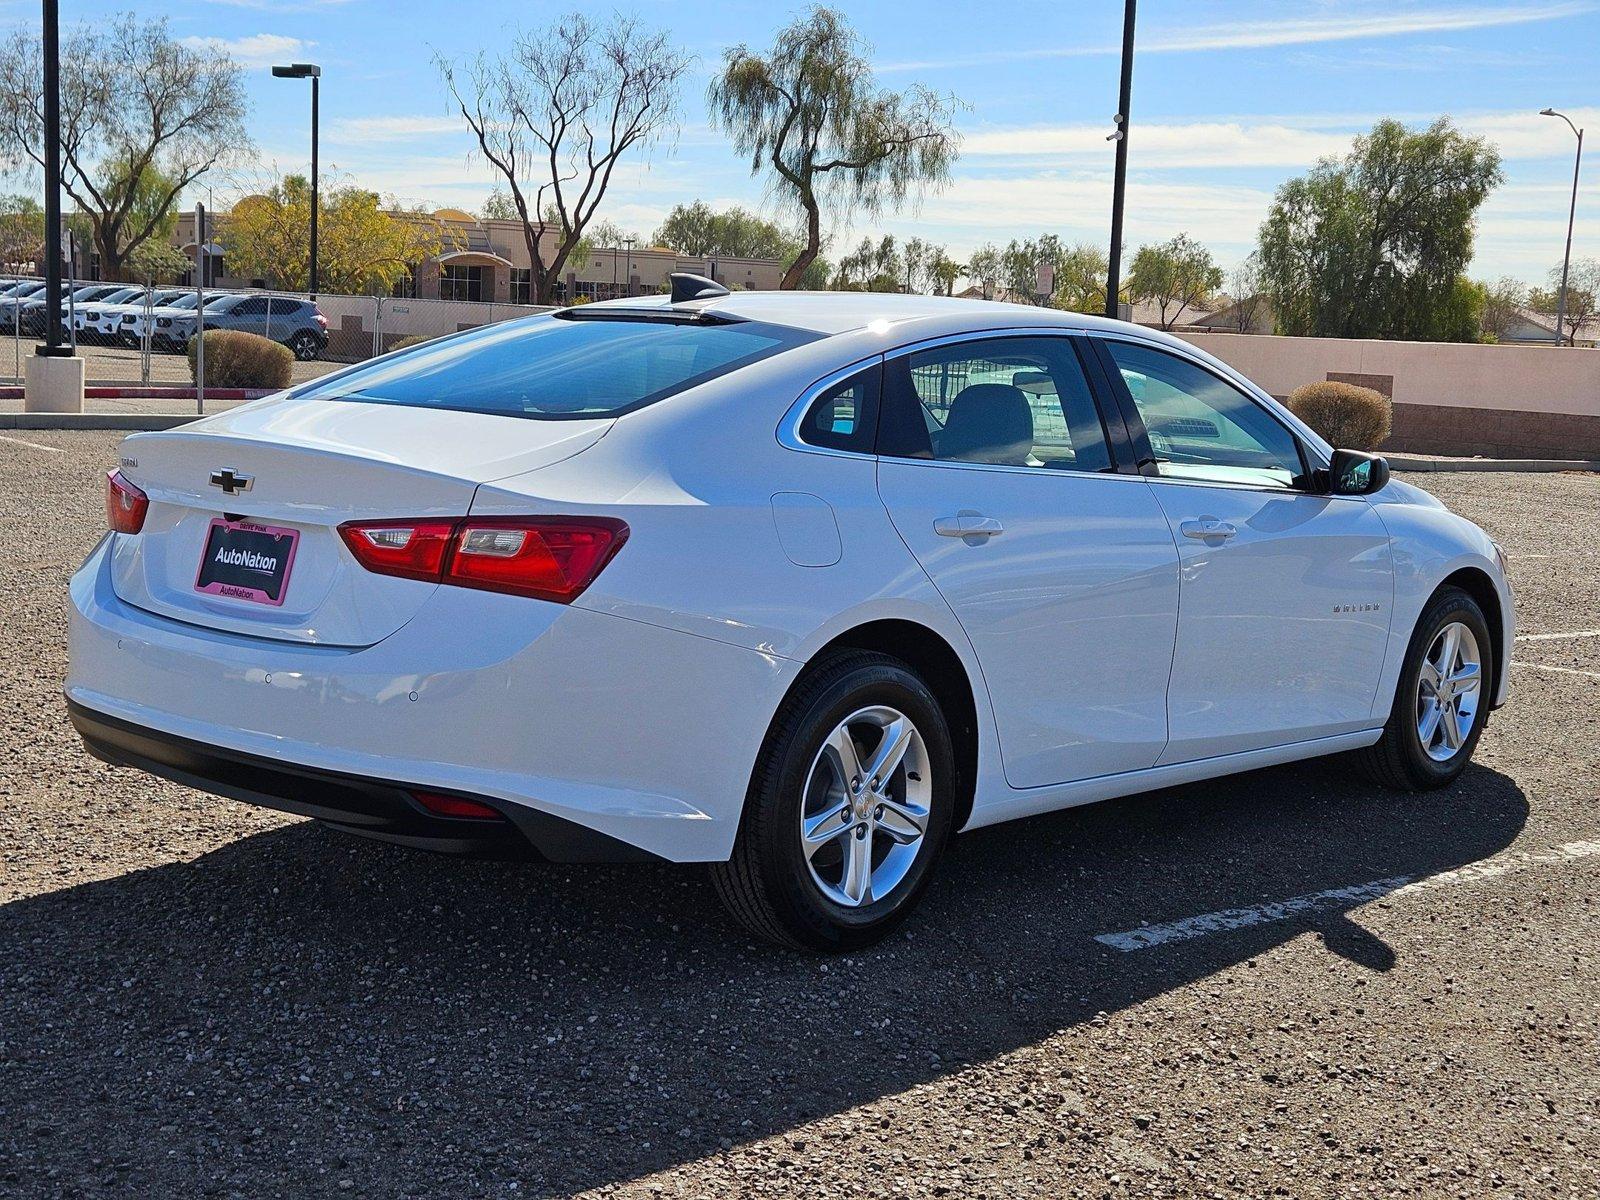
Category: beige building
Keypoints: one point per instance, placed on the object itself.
(488, 261)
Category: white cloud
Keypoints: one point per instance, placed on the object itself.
(1293, 31)
(255, 49)
(396, 128)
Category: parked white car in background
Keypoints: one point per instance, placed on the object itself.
(793, 584)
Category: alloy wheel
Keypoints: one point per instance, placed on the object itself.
(1449, 689)
(865, 812)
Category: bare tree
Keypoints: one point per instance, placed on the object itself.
(810, 112)
(142, 118)
(1246, 285)
(557, 111)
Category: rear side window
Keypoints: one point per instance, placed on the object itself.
(845, 417)
(553, 368)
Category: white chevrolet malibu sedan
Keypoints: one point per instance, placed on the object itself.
(791, 584)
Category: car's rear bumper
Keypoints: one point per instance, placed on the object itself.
(644, 735)
(378, 808)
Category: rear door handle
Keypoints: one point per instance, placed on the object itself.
(968, 525)
(1207, 528)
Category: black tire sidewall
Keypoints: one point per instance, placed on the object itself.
(1450, 605)
(811, 916)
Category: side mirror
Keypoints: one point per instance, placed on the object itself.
(1352, 473)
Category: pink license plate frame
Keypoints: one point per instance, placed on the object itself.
(288, 539)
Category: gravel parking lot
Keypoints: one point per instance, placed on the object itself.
(197, 997)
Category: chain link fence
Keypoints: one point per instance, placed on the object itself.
(139, 340)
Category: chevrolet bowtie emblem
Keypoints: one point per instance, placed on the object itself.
(231, 481)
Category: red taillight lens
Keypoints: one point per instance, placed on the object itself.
(321, 320)
(411, 549)
(550, 558)
(126, 505)
(457, 806)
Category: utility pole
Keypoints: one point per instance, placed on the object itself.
(51, 46)
(1119, 184)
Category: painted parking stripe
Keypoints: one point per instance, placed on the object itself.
(31, 445)
(1556, 637)
(1558, 670)
(1150, 936)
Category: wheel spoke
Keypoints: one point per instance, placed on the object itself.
(896, 740)
(841, 749)
(857, 882)
(1451, 724)
(901, 822)
(1428, 723)
(1430, 676)
(1467, 677)
(823, 828)
(1450, 650)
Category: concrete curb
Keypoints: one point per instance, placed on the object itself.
(1405, 462)
(132, 422)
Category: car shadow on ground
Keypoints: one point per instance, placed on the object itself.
(299, 1007)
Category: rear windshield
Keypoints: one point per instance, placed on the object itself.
(554, 368)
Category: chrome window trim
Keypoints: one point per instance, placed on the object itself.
(789, 428)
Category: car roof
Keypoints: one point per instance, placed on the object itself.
(832, 313)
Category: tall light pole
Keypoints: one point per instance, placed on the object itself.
(1566, 259)
(1119, 184)
(314, 73)
(50, 45)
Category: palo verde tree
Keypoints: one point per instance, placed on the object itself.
(365, 243)
(142, 118)
(809, 113)
(557, 111)
(1173, 275)
(1374, 244)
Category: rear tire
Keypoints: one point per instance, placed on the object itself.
(1435, 724)
(819, 864)
(306, 346)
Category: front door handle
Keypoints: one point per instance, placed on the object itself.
(968, 525)
(1207, 528)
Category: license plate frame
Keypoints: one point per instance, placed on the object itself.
(246, 560)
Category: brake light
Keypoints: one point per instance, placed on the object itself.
(320, 319)
(126, 504)
(547, 558)
(411, 549)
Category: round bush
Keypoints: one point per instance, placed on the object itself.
(1350, 417)
(243, 360)
(411, 339)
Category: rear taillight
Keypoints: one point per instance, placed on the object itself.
(547, 558)
(411, 549)
(320, 319)
(126, 504)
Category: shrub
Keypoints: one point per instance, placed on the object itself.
(1350, 417)
(242, 360)
(411, 339)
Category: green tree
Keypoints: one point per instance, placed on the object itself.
(1080, 276)
(872, 267)
(809, 112)
(142, 118)
(1030, 268)
(699, 231)
(21, 232)
(1173, 275)
(363, 243)
(984, 268)
(1583, 292)
(1503, 302)
(556, 111)
(1373, 245)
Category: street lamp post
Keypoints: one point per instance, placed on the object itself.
(629, 243)
(314, 73)
(50, 47)
(1119, 183)
(1572, 211)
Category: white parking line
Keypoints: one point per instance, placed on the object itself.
(1149, 936)
(1558, 670)
(31, 445)
(1556, 637)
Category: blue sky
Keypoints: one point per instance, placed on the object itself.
(1230, 98)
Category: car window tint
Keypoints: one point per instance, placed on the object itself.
(554, 367)
(1201, 427)
(845, 417)
(1020, 401)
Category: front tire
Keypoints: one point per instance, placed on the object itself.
(1442, 700)
(849, 808)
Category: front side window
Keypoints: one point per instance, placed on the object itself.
(1202, 428)
(845, 417)
(555, 367)
(1017, 401)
